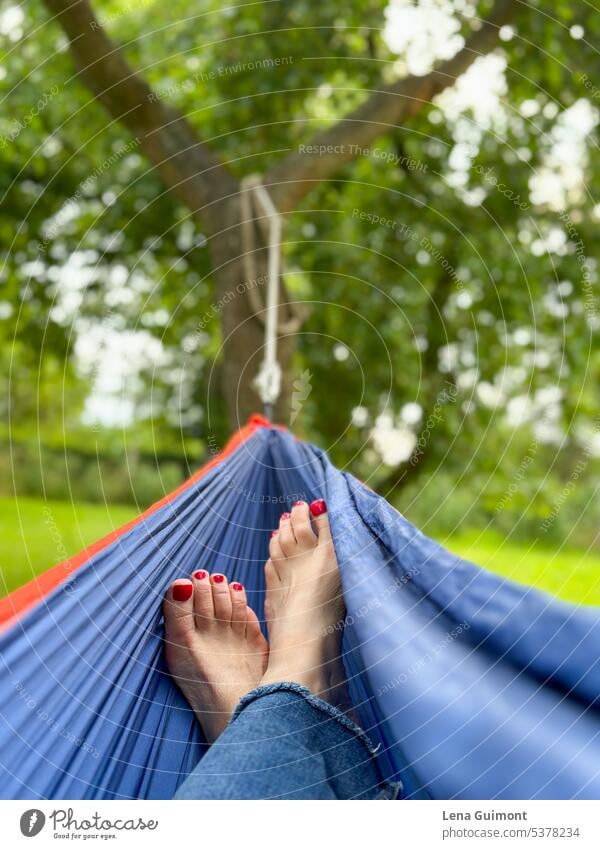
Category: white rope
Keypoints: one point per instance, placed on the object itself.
(268, 379)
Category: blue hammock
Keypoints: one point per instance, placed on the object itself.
(474, 686)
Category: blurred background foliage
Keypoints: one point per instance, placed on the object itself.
(451, 270)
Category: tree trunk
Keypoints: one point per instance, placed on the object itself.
(197, 177)
(242, 328)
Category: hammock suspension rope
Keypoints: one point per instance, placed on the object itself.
(258, 206)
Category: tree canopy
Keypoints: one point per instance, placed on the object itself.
(437, 168)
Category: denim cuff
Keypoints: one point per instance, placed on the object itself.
(389, 789)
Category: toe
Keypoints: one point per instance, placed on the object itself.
(318, 510)
(302, 528)
(238, 608)
(252, 624)
(204, 611)
(254, 636)
(275, 552)
(272, 577)
(221, 598)
(286, 537)
(178, 610)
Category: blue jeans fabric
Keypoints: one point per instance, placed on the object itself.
(285, 743)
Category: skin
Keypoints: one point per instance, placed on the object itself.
(214, 647)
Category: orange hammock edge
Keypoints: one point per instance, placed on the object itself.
(17, 603)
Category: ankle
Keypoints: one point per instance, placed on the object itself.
(316, 680)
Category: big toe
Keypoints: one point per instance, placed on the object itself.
(255, 637)
(178, 610)
(320, 518)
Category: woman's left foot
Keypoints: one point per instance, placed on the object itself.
(214, 647)
(304, 605)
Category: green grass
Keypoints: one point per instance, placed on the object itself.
(568, 573)
(35, 534)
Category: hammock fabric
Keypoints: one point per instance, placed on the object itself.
(475, 687)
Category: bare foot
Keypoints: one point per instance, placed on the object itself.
(214, 648)
(304, 604)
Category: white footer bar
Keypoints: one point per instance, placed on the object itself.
(287, 825)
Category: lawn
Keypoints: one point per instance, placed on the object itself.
(569, 573)
(35, 535)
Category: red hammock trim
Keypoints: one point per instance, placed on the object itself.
(14, 605)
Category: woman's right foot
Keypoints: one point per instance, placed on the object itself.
(214, 647)
(304, 606)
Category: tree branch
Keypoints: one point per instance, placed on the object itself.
(186, 165)
(291, 179)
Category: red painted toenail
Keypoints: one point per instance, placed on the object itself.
(218, 579)
(237, 587)
(318, 507)
(298, 503)
(285, 516)
(200, 575)
(181, 592)
(273, 533)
